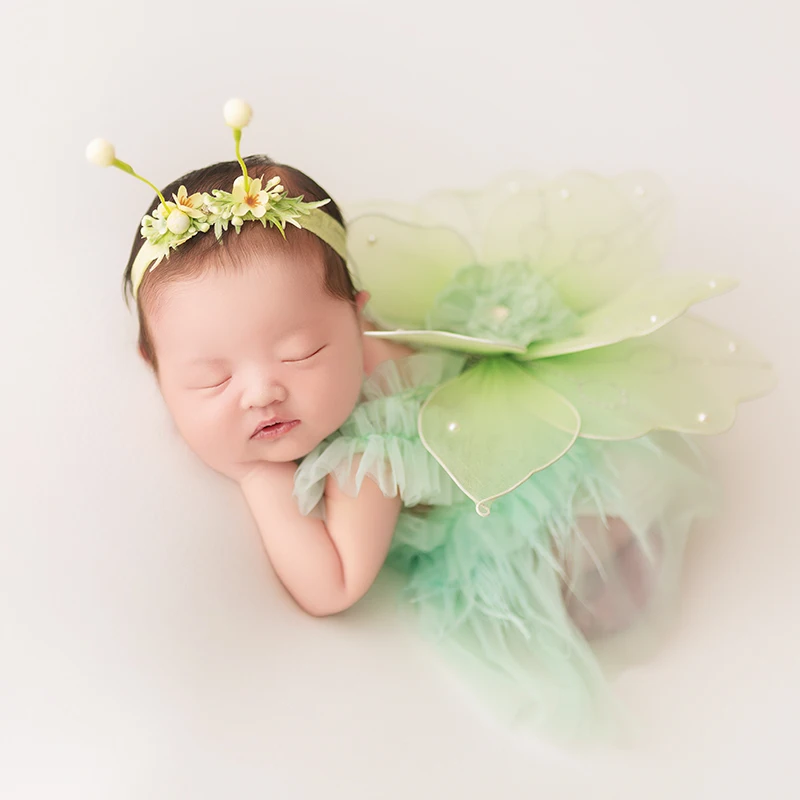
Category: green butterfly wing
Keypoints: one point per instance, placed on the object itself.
(646, 306)
(464, 211)
(495, 425)
(591, 236)
(688, 377)
(633, 364)
(403, 267)
(448, 341)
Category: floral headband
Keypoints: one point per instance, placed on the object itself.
(173, 223)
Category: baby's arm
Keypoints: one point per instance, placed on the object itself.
(325, 566)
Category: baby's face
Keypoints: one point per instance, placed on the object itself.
(260, 346)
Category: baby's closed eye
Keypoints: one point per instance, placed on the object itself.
(306, 357)
(213, 384)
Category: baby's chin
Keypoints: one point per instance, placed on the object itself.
(289, 449)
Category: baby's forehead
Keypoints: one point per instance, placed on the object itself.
(292, 277)
(270, 301)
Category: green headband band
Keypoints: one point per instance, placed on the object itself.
(173, 223)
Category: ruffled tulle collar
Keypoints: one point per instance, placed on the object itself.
(424, 368)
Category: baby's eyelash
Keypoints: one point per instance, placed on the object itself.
(305, 358)
(216, 385)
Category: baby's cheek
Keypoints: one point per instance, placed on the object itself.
(308, 396)
(206, 428)
(339, 395)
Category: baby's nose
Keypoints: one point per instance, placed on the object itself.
(262, 393)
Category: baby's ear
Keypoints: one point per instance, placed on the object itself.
(144, 355)
(361, 298)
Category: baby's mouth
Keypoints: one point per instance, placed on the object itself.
(272, 428)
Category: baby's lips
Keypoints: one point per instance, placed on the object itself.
(269, 423)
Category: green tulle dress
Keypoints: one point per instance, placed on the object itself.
(552, 402)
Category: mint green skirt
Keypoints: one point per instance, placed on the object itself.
(509, 596)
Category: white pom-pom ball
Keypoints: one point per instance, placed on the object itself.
(178, 222)
(237, 113)
(100, 152)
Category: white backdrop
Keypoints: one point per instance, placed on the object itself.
(147, 650)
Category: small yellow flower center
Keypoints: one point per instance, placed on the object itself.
(251, 200)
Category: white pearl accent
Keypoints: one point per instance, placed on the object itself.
(100, 152)
(501, 313)
(653, 319)
(237, 113)
(178, 222)
(702, 417)
(712, 284)
(565, 193)
(733, 347)
(453, 427)
(372, 238)
(639, 191)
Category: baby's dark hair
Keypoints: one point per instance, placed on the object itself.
(203, 252)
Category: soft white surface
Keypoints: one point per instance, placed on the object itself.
(146, 648)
